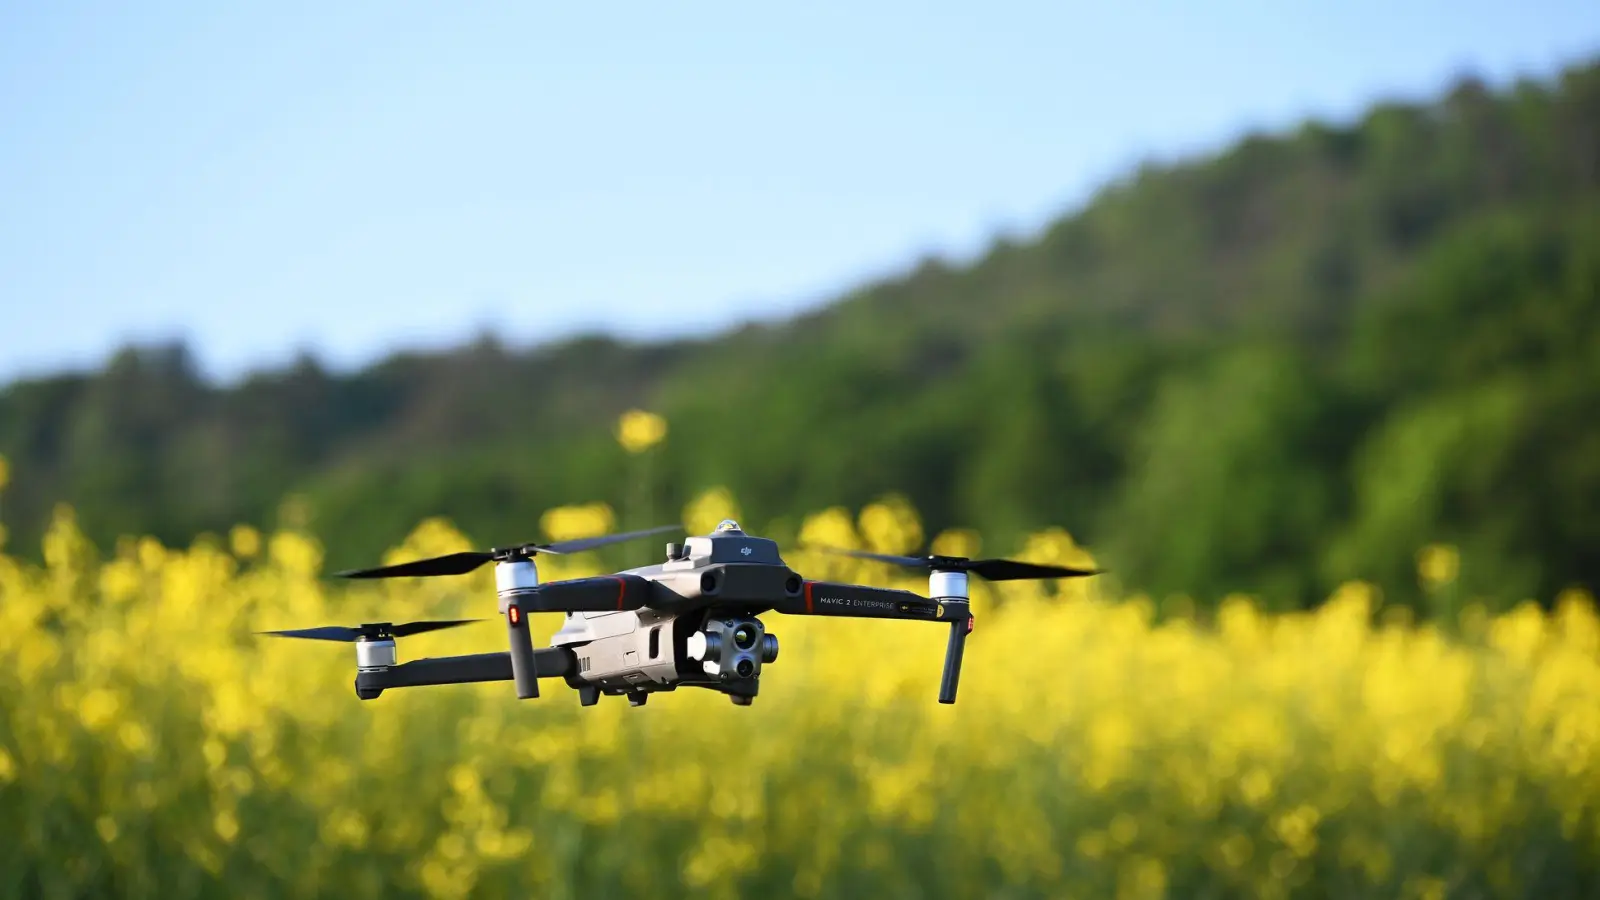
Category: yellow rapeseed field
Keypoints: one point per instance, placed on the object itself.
(150, 744)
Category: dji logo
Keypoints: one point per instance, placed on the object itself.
(745, 550)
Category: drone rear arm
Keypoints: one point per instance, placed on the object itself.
(548, 662)
(600, 593)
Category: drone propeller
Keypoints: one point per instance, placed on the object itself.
(991, 569)
(369, 631)
(468, 560)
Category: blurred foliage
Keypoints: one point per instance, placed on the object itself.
(1276, 370)
(151, 745)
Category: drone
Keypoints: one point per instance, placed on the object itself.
(692, 620)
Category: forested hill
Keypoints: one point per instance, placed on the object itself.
(1295, 362)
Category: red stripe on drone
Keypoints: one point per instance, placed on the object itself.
(622, 589)
(808, 596)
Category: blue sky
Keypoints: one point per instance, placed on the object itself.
(356, 177)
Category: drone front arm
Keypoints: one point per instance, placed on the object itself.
(548, 662)
(828, 598)
(832, 598)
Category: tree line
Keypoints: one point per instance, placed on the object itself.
(1289, 364)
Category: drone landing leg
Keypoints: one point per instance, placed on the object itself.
(959, 628)
(523, 669)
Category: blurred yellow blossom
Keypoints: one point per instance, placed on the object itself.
(1437, 564)
(705, 511)
(433, 536)
(245, 541)
(1095, 750)
(833, 527)
(638, 430)
(957, 542)
(1054, 546)
(565, 523)
(890, 525)
(295, 553)
(227, 825)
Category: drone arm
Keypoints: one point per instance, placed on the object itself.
(826, 598)
(548, 662)
(602, 593)
(831, 598)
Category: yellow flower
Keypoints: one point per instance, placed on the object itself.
(1438, 564)
(639, 430)
(1098, 759)
(565, 523)
(705, 511)
(956, 542)
(245, 541)
(891, 526)
(226, 825)
(830, 528)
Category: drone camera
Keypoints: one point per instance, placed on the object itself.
(733, 647)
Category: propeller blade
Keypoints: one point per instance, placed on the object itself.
(911, 561)
(990, 569)
(467, 560)
(1016, 570)
(347, 634)
(579, 545)
(449, 564)
(409, 628)
(325, 633)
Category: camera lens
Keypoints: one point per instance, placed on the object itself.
(745, 637)
(746, 668)
(708, 583)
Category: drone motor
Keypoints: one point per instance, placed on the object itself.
(373, 653)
